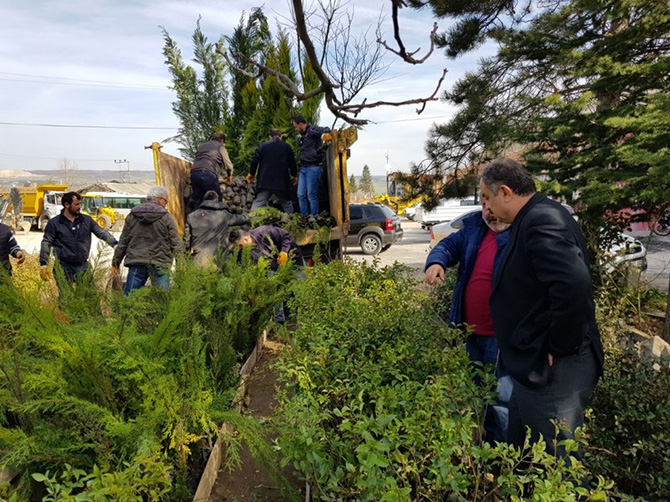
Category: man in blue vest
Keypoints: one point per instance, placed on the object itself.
(477, 249)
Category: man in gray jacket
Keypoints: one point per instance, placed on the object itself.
(208, 228)
(149, 243)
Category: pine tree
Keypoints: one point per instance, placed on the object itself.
(366, 186)
(202, 101)
(353, 185)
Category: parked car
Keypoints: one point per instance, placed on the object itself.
(373, 227)
(441, 230)
(446, 210)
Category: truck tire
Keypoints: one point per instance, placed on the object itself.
(42, 222)
(104, 221)
(371, 244)
(23, 228)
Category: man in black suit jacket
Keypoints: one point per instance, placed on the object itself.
(277, 172)
(542, 308)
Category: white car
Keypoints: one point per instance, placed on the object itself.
(441, 230)
(446, 210)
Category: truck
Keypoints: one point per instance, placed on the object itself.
(174, 174)
(446, 210)
(40, 203)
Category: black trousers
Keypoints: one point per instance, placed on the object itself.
(564, 399)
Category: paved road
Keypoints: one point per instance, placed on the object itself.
(413, 249)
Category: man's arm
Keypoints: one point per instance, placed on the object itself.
(237, 220)
(559, 265)
(122, 246)
(47, 243)
(102, 234)
(447, 252)
(292, 166)
(176, 245)
(14, 248)
(315, 130)
(227, 164)
(255, 160)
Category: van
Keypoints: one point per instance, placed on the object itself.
(446, 210)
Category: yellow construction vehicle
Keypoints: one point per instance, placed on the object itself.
(174, 174)
(37, 205)
(109, 209)
(398, 197)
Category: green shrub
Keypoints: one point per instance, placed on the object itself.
(380, 403)
(117, 377)
(629, 425)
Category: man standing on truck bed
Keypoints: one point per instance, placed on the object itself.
(69, 234)
(277, 172)
(310, 141)
(210, 158)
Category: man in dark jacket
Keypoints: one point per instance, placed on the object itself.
(477, 249)
(9, 246)
(207, 228)
(69, 234)
(210, 159)
(310, 141)
(149, 242)
(542, 306)
(277, 172)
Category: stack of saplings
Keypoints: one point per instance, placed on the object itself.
(238, 194)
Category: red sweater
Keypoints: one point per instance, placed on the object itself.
(477, 311)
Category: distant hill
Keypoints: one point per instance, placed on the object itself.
(79, 177)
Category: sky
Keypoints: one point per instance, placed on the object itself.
(99, 64)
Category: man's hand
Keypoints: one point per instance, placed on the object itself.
(295, 181)
(434, 273)
(20, 257)
(282, 259)
(250, 178)
(115, 272)
(45, 273)
(326, 137)
(229, 179)
(550, 360)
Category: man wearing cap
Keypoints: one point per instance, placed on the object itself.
(273, 165)
(149, 243)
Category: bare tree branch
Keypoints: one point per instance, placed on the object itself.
(402, 52)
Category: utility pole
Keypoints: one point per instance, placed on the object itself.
(123, 175)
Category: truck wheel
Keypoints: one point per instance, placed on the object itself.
(42, 223)
(371, 244)
(104, 221)
(24, 227)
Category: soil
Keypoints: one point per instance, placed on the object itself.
(252, 481)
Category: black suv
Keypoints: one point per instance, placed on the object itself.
(373, 227)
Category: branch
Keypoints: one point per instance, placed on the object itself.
(357, 108)
(402, 52)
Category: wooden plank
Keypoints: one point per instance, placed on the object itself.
(209, 475)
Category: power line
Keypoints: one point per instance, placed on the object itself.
(78, 126)
(76, 81)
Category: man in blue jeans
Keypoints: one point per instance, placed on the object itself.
(310, 141)
(149, 241)
(477, 248)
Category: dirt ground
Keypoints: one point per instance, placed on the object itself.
(252, 483)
